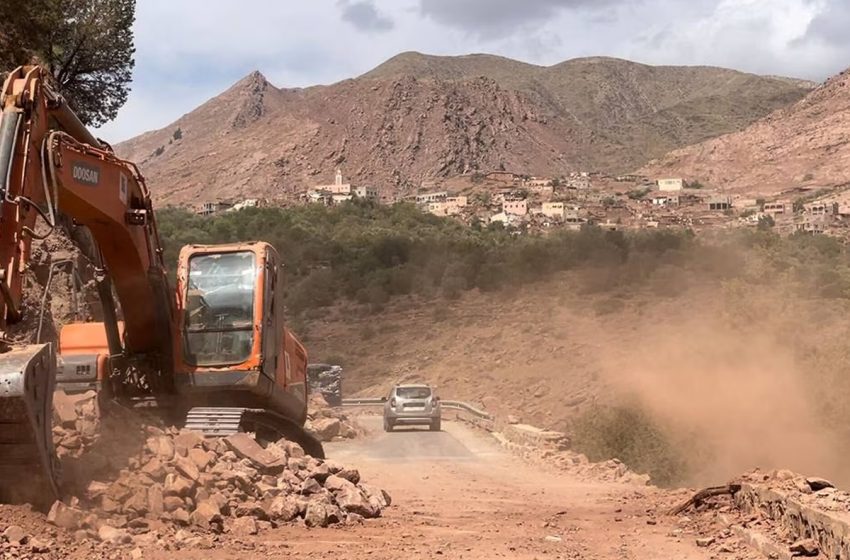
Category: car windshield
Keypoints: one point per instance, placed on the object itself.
(220, 308)
(413, 392)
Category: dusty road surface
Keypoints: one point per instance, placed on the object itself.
(459, 495)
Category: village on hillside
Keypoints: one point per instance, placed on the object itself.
(527, 203)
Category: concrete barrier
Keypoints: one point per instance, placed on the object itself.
(538, 438)
(800, 521)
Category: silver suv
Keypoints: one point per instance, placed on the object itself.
(412, 404)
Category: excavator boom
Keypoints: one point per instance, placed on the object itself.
(50, 162)
(215, 350)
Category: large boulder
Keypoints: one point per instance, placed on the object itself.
(326, 428)
(245, 447)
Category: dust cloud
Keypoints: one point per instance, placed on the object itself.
(734, 385)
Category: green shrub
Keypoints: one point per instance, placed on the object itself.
(630, 434)
(369, 253)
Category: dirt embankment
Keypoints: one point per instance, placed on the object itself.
(58, 288)
(731, 376)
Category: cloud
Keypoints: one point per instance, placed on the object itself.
(192, 50)
(494, 18)
(759, 36)
(364, 16)
(831, 26)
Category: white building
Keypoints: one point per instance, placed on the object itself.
(247, 203)
(370, 193)
(669, 185)
(503, 218)
(427, 198)
(665, 199)
(338, 187)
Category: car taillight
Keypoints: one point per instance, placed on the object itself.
(392, 403)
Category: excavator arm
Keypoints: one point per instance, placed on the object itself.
(50, 163)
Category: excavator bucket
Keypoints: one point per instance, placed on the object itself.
(29, 468)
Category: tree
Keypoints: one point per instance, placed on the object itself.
(86, 45)
(24, 25)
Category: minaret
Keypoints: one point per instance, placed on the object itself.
(338, 177)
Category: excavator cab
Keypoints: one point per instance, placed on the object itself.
(235, 362)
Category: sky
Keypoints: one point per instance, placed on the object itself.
(188, 51)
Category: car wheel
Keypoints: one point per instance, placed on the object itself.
(435, 425)
(388, 426)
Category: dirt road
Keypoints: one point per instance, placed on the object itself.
(459, 495)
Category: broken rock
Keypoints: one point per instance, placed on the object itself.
(206, 514)
(244, 526)
(805, 547)
(286, 508)
(15, 535)
(65, 516)
(321, 513)
(326, 428)
(816, 483)
(111, 535)
(245, 447)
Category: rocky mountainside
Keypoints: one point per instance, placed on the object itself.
(417, 117)
(805, 144)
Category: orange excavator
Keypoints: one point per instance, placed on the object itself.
(213, 352)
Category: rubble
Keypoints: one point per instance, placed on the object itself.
(181, 481)
(804, 547)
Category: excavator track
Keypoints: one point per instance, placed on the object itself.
(29, 467)
(267, 426)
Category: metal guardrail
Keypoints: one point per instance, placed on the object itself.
(460, 405)
(456, 405)
(363, 402)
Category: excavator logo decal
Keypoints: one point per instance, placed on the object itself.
(85, 174)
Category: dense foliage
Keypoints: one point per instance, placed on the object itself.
(369, 253)
(86, 45)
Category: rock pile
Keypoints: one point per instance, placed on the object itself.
(181, 481)
(75, 423)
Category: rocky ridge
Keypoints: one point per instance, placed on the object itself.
(804, 145)
(419, 118)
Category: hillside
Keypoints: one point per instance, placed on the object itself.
(724, 373)
(417, 117)
(805, 144)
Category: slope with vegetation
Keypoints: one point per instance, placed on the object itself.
(420, 117)
(692, 358)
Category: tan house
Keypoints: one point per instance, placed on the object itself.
(720, 202)
(777, 207)
(456, 203)
(438, 208)
(821, 208)
(538, 182)
(553, 210)
(515, 207)
(427, 198)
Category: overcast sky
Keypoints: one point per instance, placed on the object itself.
(191, 50)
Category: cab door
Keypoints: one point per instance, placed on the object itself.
(272, 320)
